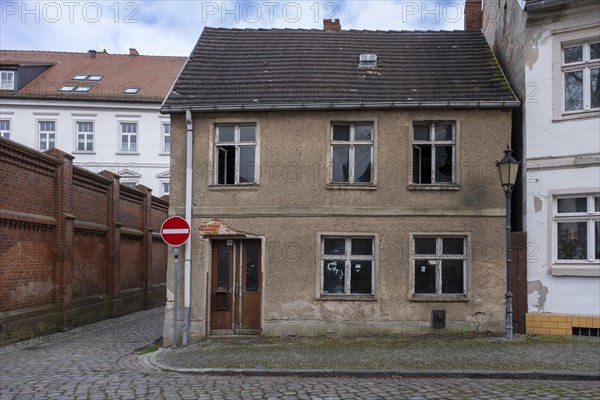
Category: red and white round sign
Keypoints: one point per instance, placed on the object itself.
(175, 231)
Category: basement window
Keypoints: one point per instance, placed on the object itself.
(593, 332)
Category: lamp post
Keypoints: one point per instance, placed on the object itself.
(508, 168)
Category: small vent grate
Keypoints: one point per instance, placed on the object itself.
(593, 332)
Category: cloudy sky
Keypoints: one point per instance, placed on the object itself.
(168, 27)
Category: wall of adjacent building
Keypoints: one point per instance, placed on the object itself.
(293, 204)
(562, 158)
(148, 167)
(76, 247)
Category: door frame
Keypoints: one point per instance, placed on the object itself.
(238, 244)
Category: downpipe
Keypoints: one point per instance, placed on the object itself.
(188, 218)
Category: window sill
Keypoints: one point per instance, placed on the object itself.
(590, 270)
(164, 154)
(350, 186)
(233, 187)
(447, 186)
(346, 297)
(577, 115)
(440, 297)
(127, 153)
(83, 152)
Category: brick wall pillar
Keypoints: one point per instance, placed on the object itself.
(146, 243)
(64, 239)
(113, 268)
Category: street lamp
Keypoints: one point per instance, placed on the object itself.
(508, 168)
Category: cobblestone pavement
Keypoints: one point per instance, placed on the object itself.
(99, 362)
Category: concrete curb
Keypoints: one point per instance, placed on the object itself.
(151, 360)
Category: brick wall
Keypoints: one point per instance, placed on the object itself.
(75, 247)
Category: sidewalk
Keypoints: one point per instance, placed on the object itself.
(412, 356)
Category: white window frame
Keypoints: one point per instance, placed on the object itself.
(5, 133)
(347, 258)
(351, 157)
(86, 138)
(162, 188)
(590, 216)
(46, 134)
(120, 138)
(439, 257)
(7, 83)
(565, 39)
(132, 183)
(237, 144)
(433, 142)
(163, 136)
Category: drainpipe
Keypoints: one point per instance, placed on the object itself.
(188, 218)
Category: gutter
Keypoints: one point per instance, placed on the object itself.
(165, 109)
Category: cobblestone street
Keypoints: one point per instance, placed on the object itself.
(98, 362)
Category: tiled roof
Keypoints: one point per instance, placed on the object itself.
(233, 69)
(153, 75)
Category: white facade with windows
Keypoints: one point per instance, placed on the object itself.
(128, 139)
(562, 166)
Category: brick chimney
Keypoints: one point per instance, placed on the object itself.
(133, 52)
(473, 15)
(332, 25)
(92, 53)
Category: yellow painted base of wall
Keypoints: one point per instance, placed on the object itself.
(558, 324)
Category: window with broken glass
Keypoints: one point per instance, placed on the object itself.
(577, 227)
(347, 265)
(352, 153)
(581, 73)
(434, 153)
(440, 265)
(235, 154)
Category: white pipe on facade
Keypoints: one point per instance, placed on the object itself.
(188, 218)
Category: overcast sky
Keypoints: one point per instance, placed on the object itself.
(172, 27)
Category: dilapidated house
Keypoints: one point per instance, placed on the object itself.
(339, 182)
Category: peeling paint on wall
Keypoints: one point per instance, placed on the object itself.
(536, 295)
(537, 204)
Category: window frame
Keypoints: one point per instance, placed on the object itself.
(237, 144)
(86, 134)
(5, 133)
(590, 216)
(162, 188)
(163, 136)
(39, 134)
(120, 137)
(439, 256)
(12, 81)
(351, 155)
(348, 258)
(433, 142)
(583, 36)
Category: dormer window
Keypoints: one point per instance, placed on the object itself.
(131, 90)
(7, 80)
(367, 60)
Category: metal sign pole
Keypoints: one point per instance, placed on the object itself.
(175, 290)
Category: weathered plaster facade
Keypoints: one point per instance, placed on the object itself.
(293, 204)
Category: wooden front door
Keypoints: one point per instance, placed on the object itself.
(236, 286)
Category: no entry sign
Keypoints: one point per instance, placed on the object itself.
(175, 231)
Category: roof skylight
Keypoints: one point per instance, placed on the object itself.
(79, 78)
(67, 88)
(94, 77)
(83, 88)
(131, 90)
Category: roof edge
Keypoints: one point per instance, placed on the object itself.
(342, 106)
(543, 4)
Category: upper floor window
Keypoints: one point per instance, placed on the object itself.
(85, 136)
(577, 227)
(440, 264)
(352, 153)
(47, 134)
(434, 152)
(581, 72)
(129, 136)
(347, 265)
(7, 80)
(166, 138)
(235, 154)
(5, 128)
(165, 188)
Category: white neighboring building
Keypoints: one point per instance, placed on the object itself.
(562, 145)
(102, 108)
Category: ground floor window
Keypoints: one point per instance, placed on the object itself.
(577, 227)
(440, 264)
(347, 265)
